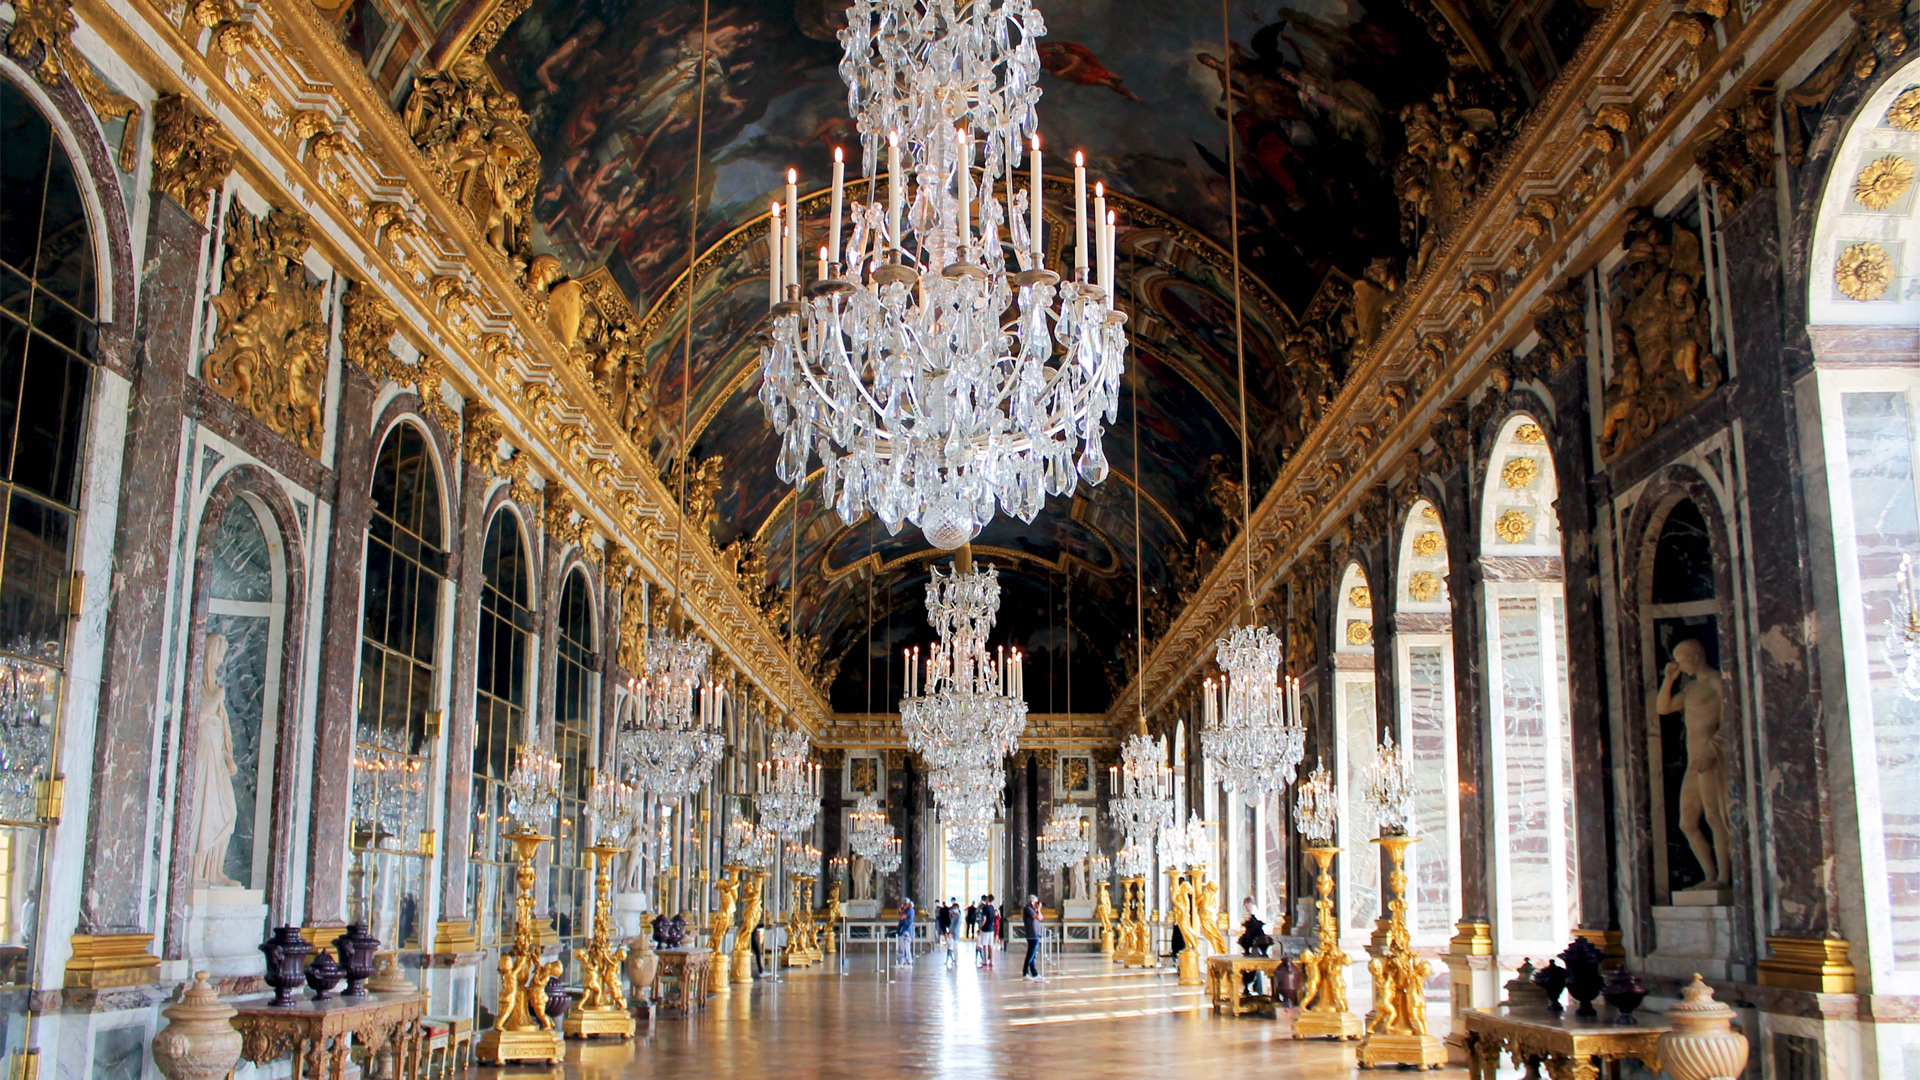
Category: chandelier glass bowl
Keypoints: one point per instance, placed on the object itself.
(937, 370)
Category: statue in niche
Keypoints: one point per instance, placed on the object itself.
(1703, 792)
(214, 769)
(861, 876)
(634, 877)
(1077, 881)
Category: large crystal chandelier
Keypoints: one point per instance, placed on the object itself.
(1144, 789)
(871, 836)
(1253, 733)
(789, 795)
(963, 702)
(670, 738)
(932, 377)
(1316, 807)
(1064, 839)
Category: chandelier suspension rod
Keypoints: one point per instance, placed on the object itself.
(1139, 569)
(1239, 338)
(686, 336)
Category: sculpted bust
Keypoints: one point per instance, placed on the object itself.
(1703, 791)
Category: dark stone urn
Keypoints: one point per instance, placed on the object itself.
(1584, 978)
(356, 948)
(1624, 991)
(286, 953)
(1286, 981)
(1551, 980)
(322, 976)
(559, 1000)
(669, 931)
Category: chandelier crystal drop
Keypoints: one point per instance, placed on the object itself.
(1253, 732)
(789, 795)
(670, 739)
(933, 378)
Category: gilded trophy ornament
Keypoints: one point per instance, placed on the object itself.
(1520, 472)
(1864, 271)
(1514, 526)
(270, 352)
(1882, 182)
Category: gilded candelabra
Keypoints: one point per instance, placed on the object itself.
(1103, 911)
(603, 1002)
(1397, 1031)
(830, 917)
(801, 948)
(1180, 889)
(522, 1030)
(721, 922)
(1323, 982)
(750, 909)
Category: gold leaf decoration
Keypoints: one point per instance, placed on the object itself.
(1423, 586)
(270, 356)
(1529, 435)
(1361, 597)
(1904, 113)
(1428, 513)
(1359, 632)
(1864, 271)
(1515, 526)
(1883, 181)
(1427, 544)
(1520, 472)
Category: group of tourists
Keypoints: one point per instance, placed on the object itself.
(983, 922)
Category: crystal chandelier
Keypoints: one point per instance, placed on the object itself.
(789, 795)
(1253, 732)
(871, 836)
(29, 701)
(895, 365)
(1063, 842)
(612, 809)
(1903, 631)
(963, 702)
(671, 738)
(1173, 847)
(751, 845)
(970, 844)
(1144, 789)
(887, 859)
(1099, 868)
(1316, 807)
(1134, 860)
(533, 784)
(1386, 787)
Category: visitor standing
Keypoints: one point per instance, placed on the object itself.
(903, 933)
(985, 939)
(943, 929)
(1030, 925)
(973, 917)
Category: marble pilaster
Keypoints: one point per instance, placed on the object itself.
(1458, 510)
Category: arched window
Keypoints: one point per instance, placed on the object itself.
(1359, 736)
(1531, 757)
(398, 725)
(47, 335)
(246, 612)
(1423, 660)
(576, 714)
(499, 715)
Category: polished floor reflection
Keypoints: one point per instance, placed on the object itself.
(1088, 1019)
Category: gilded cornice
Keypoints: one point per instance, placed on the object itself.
(313, 129)
(1621, 123)
(1045, 731)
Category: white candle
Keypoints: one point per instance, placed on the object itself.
(839, 188)
(1113, 254)
(895, 191)
(1100, 234)
(775, 241)
(966, 192)
(1033, 206)
(1079, 210)
(823, 263)
(793, 228)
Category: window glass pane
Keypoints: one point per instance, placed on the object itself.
(52, 397)
(1886, 525)
(33, 574)
(23, 179)
(65, 266)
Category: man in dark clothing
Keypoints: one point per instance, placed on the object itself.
(986, 930)
(1030, 925)
(973, 918)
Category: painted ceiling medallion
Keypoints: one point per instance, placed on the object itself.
(1424, 586)
(1520, 472)
(1529, 435)
(1904, 113)
(1514, 526)
(1864, 271)
(1883, 181)
(1427, 544)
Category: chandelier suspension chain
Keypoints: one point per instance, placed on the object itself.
(1239, 337)
(686, 334)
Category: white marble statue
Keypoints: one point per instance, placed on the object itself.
(633, 877)
(214, 769)
(861, 876)
(1703, 792)
(1077, 881)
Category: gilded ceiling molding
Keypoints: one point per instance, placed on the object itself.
(400, 230)
(47, 26)
(1645, 94)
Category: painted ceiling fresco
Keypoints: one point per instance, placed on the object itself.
(612, 91)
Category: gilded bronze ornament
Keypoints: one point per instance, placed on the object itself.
(1864, 271)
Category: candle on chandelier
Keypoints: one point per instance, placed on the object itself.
(775, 242)
(1113, 254)
(896, 190)
(1033, 207)
(823, 263)
(1100, 235)
(1079, 210)
(966, 192)
(793, 228)
(839, 190)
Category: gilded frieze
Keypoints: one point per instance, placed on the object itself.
(1739, 158)
(270, 349)
(473, 134)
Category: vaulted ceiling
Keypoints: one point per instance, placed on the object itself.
(611, 89)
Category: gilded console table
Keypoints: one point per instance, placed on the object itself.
(321, 1034)
(1569, 1048)
(687, 970)
(1226, 976)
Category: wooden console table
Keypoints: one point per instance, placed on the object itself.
(687, 971)
(1225, 973)
(321, 1034)
(1569, 1048)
